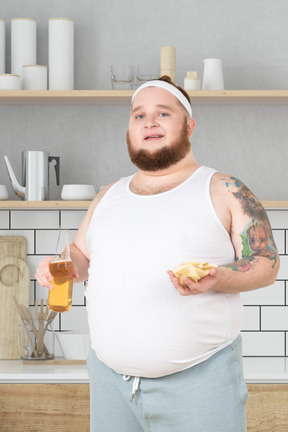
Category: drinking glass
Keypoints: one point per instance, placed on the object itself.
(146, 72)
(122, 77)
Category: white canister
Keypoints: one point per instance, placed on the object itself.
(191, 81)
(34, 77)
(2, 46)
(213, 75)
(61, 54)
(10, 82)
(23, 43)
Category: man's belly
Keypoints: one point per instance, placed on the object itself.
(148, 329)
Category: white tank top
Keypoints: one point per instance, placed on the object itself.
(140, 325)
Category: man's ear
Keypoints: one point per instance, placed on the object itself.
(190, 126)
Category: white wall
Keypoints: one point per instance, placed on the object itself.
(251, 37)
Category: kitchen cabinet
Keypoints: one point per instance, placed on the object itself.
(44, 407)
(65, 407)
(267, 408)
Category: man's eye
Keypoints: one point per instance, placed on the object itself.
(163, 114)
(139, 116)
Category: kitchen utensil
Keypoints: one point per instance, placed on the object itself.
(28, 317)
(29, 345)
(34, 347)
(26, 325)
(50, 318)
(41, 315)
(14, 281)
(35, 175)
(78, 192)
(213, 75)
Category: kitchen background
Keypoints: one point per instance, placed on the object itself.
(249, 142)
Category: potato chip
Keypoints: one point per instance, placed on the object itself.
(193, 270)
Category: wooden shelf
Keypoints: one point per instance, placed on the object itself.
(11, 205)
(123, 97)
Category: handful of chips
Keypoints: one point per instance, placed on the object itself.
(194, 270)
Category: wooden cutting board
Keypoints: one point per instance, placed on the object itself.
(14, 281)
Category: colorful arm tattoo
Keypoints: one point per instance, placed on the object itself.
(257, 238)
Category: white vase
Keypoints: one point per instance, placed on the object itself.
(2, 46)
(23, 44)
(34, 77)
(61, 54)
(213, 75)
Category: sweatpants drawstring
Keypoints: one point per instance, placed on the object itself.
(135, 385)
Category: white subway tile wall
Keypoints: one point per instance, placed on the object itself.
(40, 228)
(265, 323)
(269, 305)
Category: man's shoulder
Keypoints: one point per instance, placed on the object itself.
(226, 182)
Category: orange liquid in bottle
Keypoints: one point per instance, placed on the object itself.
(60, 297)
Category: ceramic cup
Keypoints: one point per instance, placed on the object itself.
(3, 192)
(10, 82)
(34, 77)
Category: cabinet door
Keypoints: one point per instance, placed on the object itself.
(267, 408)
(44, 407)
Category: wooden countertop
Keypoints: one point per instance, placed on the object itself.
(269, 370)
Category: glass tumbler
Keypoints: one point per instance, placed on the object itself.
(122, 77)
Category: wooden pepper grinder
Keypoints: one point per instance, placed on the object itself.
(168, 62)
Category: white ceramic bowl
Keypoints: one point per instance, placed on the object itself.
(78, 192)
(3, 192)
(74, 346)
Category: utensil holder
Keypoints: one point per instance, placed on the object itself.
(29, 344)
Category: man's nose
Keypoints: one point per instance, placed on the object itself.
(150, 122)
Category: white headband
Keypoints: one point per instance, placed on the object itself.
(169, 87)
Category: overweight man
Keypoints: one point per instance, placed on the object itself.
(166, 353)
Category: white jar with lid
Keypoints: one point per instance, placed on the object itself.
(191, 81)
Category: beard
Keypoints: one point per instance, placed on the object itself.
(163, 158)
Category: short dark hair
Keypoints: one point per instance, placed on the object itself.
(167, 79)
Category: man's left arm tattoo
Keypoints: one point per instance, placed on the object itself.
(257, 238)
